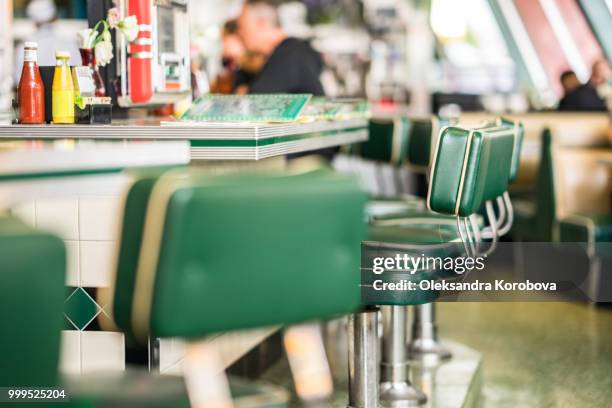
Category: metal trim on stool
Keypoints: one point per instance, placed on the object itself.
(362, 361)
(424, 344)
(395, 387)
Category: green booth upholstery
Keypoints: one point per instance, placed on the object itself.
(537, 192)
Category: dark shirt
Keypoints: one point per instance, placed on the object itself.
(242, 78)
(293, 67)
(582, 99)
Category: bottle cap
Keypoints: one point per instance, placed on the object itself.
(30, 44)
(62, 55)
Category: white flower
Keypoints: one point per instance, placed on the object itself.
(129, 27)
(104, 52)
(113, 17)
(87, 37)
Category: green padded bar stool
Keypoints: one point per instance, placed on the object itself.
(215, 254)
(424, 339)
(400, 141)
(32, 273)
(458, 188)
(424, 343)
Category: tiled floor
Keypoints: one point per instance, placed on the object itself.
(534, 355)
(537, 354)
(453, 384)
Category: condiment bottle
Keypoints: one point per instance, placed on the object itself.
(31, 91)
(63, 90)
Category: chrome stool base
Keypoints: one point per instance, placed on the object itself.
(395, 388)
(362, 350)
(425, 345)
(399, 395)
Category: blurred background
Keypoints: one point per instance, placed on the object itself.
(503, 56)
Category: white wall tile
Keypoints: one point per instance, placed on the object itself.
(102, 351)
(26, 212)
(70, 352)
(59, 217)
(99, 218)
(72, 253)
(97, 263)
(171, 355)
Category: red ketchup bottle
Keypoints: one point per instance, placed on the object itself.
(31, 88)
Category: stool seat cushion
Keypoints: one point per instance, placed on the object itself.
(230, 252)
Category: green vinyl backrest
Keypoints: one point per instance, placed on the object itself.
(519, 134)
(419, 143)
(387, 142)
(32, 293)
(234, 252)
(471, 166)
(423, 135)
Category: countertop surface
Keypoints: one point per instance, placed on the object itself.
(36, 159)
(209, 140)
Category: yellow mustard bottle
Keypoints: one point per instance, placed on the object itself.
(63, 90)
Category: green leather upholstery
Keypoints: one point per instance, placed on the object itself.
(519, 136)
(243, 242)
(471, 167)
(388, 141)
(32, 293)
(419, 145)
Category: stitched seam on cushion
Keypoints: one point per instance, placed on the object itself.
(463, 172)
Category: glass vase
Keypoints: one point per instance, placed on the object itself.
(88, 58)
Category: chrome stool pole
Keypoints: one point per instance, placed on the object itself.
(362, 359)
(424, 343)
(395, 387)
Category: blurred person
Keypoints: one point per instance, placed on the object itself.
(601, 80)
(292, 65)
(569, 82)
(600, 74)
(44, 15)
(239, 65)
(585, 98)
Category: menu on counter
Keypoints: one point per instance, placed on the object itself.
(285, 108)
(247, 108)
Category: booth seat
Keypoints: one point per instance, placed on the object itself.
(538, 203)
(571, 181)
(583, 195)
